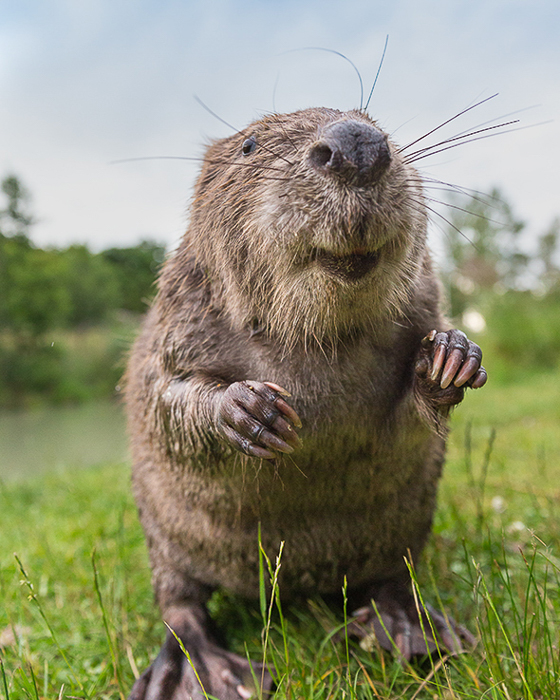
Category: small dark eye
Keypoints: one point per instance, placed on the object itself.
(249, 146)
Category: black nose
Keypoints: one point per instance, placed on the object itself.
(354, 151)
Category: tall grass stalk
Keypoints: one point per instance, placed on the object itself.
(110, 644)
(188, 657)
(37, 602)
(274, 599)
(4, 679)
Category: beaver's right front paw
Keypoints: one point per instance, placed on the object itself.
(447, 363)
(256, 420)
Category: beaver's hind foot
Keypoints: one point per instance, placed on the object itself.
(222, 674)
(395, 624)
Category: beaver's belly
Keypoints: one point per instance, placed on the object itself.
(356, 519)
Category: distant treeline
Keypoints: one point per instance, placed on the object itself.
(67, 316)
(503, 285)
(62, 310)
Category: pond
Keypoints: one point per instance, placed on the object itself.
(34, 441)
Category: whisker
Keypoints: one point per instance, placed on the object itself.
(459, 137)
(465, 211)
(277, 155)
(286, 135)
(377, 74)
(503, 116)
(488, 201)
(132, 160)
(336, 53)
(449, 223)
(482, 197)
(205, 106)
(213, 161)
(478, 138)
(216, 116)
(440, 126)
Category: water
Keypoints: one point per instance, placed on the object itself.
(32, 442)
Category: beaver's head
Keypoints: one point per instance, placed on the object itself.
(310, 223)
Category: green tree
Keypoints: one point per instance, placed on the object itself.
(92, 283)
(492, 280)
(15, 220)
(548, 249)
(52, 299)
(482, 249)
(136, 268)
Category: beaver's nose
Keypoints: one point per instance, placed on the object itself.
(353, 151)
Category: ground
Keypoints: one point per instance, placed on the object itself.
(77, 617)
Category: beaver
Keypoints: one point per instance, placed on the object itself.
(294, 376)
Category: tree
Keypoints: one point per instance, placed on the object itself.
(482, 248)
(14, 219)
(136, 268)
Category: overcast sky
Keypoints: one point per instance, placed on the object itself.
(87, 82)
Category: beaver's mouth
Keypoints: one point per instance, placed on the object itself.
(350, 267)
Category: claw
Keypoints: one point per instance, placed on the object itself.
(468, 370)
(279, 389)
(286, 432)
(289, 412)
(479, 379)
(451, 366)
(439, 357)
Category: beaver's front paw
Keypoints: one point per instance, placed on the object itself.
(256, 420)
(446, 364)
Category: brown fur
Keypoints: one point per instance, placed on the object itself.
(243, 298)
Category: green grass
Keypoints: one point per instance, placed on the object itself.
(77, 617)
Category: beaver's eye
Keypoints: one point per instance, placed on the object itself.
(249, 146)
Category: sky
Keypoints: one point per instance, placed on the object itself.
(85, 83)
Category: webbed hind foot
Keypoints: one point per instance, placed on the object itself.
(396, 625)
(222, 674)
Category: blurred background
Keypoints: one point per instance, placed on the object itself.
(81, 237)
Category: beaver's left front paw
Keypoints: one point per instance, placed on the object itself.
(446, 364)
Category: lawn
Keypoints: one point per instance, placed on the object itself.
(76, 611)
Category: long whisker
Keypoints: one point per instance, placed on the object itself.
(491, 121)
(460, 137)
(449, 223)
(336, 53)
(482, 197)
(216, 116)
(286, 135)
(465, 211)
(205, 106)
(377, 74)
(277, 155)
(440, 126)
(255, 166)
(478, 138)
(457, 190)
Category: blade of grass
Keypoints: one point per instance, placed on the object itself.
(34, 680)
(116, 669)
(274, 582)
(186, 653)
(33, 598)
(490, 602)
(4, 679)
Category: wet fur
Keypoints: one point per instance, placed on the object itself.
(243, 299)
